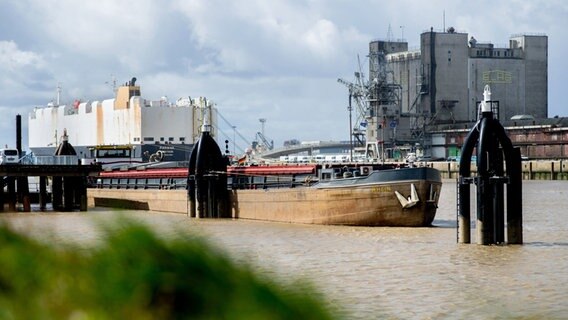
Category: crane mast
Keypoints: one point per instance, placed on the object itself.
(378, 104)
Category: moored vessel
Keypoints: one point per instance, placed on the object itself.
(303, 193)
(397, 197)
(405, 197)
(357, 194)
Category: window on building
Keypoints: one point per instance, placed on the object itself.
(148, 139)
(161, 138)
(171, 139)
(181, 138)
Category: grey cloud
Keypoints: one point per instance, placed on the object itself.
(273, 59)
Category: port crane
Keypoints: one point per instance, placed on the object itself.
(269, 144)
(378, 102)
(358, 91)
(266, 144)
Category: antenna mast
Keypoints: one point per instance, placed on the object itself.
(112, 83)
(58, 93)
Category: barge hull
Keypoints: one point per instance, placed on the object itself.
(375, 205)
(365, 201)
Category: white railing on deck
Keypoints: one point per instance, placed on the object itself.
(55, 160)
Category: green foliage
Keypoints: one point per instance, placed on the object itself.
(134, 274)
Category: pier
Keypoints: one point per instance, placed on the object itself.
(68, 187)
(68, 176)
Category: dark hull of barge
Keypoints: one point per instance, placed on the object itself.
(361, 201)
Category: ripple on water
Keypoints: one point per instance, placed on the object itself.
(381, 272)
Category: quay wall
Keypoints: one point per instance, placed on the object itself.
(532, 170)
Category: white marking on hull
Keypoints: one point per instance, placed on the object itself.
(410, 201)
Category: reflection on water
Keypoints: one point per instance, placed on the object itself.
(383, 272)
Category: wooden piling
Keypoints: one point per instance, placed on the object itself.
(42, 193)
(11, 181)
(57, 192)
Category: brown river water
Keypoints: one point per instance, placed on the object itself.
(377, 273)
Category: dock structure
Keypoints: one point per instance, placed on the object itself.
(69, 178)
(68, 188)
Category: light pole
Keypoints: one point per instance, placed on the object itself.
(262, 122)
(350, 130)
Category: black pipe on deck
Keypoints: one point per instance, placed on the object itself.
(493, 146)
(23, 195)
(207, 179)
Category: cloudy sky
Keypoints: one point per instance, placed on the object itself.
(278, 60)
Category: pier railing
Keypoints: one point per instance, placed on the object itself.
(54, 160)
(235, 182)
(139, 183)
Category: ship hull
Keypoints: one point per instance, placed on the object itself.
(362, 201)
(357, 204)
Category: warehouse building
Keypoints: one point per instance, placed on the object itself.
(439, 86)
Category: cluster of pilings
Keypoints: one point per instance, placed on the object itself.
(493, 147)
(15, 195)
(207, 179)
(12, 198)
(67, 192)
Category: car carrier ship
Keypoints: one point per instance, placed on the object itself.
(153, 130)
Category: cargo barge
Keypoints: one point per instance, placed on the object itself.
(357, 194)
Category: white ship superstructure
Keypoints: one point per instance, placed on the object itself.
(128, 119)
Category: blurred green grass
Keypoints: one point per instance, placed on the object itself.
(134, 274)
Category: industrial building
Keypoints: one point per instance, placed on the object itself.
(415, 100)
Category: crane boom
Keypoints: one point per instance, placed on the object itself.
(360, 94)
(269, 144)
